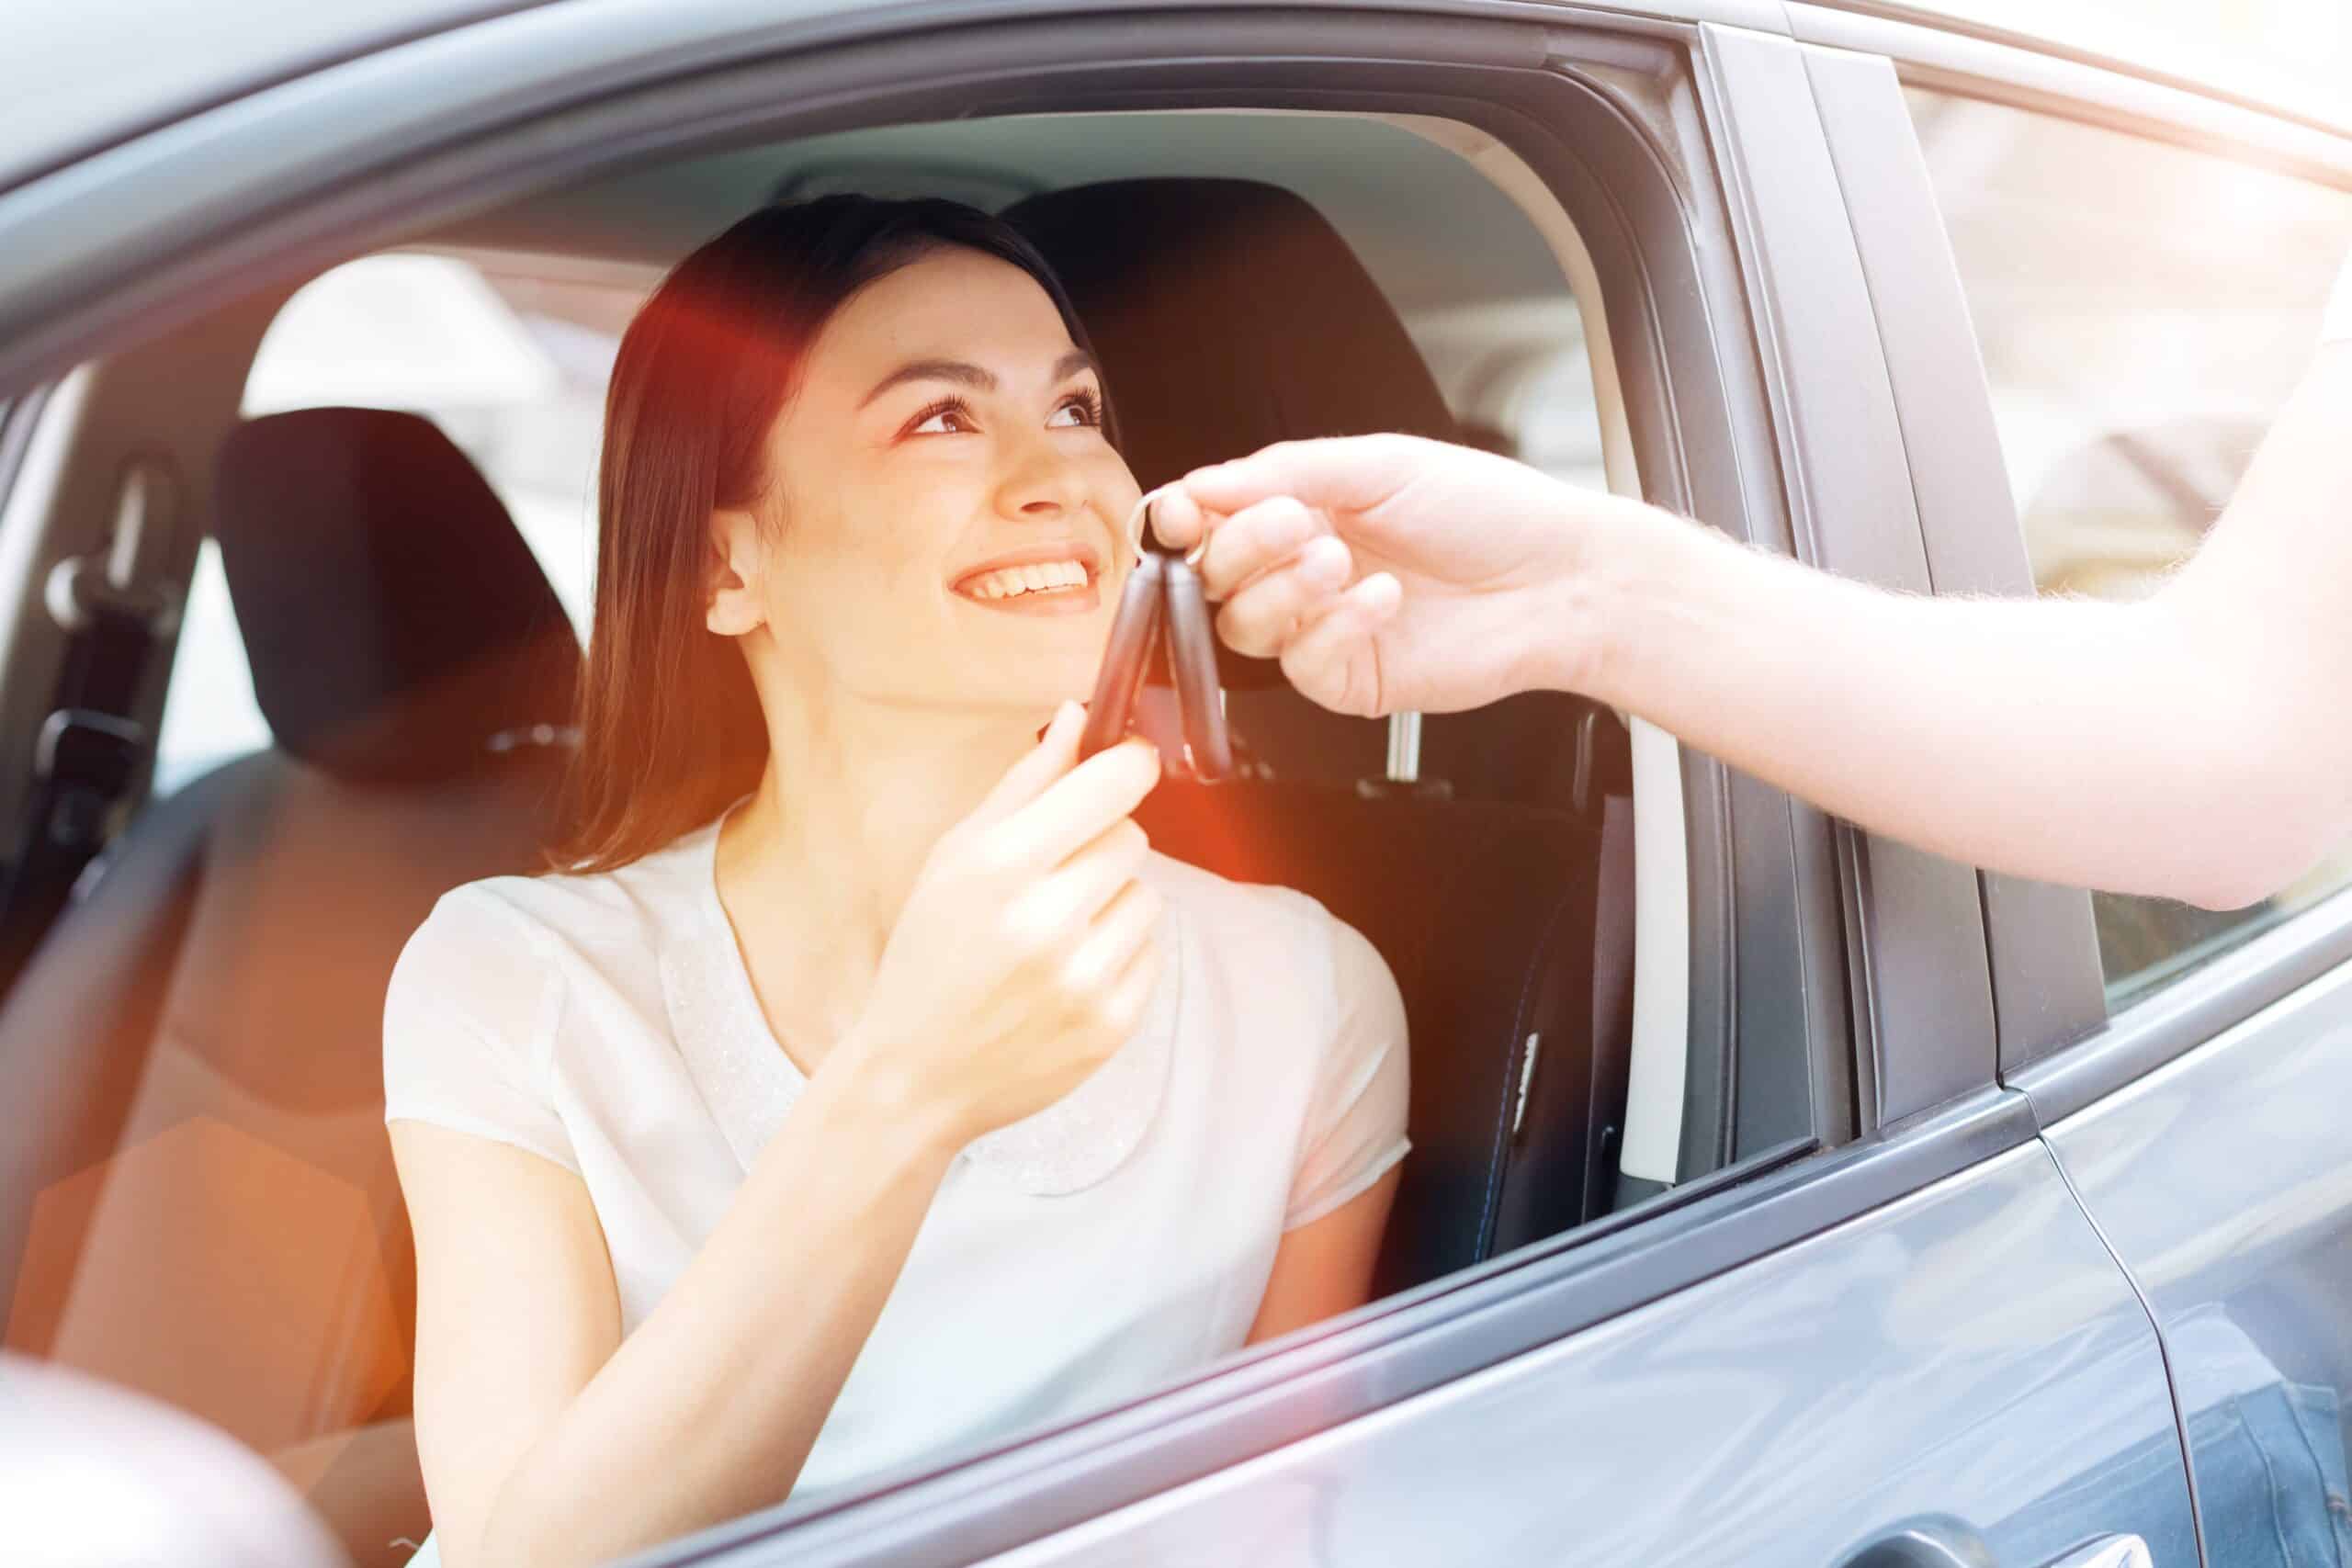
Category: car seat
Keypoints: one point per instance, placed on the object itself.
(204, 1208)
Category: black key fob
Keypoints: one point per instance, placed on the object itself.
(1126, 658)
(1164, 616)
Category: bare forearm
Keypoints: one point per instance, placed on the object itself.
(709, 1409)
(2096, 744)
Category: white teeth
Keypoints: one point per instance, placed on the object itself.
(1007, 582)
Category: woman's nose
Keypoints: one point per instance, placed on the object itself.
(1040, 483)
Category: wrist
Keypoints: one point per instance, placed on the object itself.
(1595, 631)
(885, 1104)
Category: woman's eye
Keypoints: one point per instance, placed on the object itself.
(942, 419)
(1085, 406)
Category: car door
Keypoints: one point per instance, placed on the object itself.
(2188, 1064)
(1866, 1322)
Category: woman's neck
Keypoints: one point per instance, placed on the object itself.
(815, 867)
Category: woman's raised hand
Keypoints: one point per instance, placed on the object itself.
(1023, 957)
(1390, 572)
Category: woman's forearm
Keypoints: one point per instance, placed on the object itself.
(2097, 744)
(709, 1409)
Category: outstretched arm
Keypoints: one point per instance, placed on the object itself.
(2194, 745)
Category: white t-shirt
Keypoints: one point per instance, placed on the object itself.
(1116, 1240)
(2337, 326)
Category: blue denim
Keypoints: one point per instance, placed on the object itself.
(2271, 1478)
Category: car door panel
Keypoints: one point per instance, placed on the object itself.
(1965, 1362)
(2222, 1182)
(2202, 1129)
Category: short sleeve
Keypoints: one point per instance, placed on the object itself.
(2337, 326)
(467, 1021)
(1355, 1126)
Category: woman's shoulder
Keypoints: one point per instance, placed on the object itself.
(1240, 909)
(1257, 922)
(557, 912)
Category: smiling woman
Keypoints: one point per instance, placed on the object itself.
(853, 991)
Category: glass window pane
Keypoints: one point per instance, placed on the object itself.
(2144, 311)
(510, 364)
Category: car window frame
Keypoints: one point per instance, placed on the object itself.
(2060, 1044)
(1779, 875)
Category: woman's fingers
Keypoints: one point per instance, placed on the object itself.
(1123, 928)
(1089, 879)
(1333, 658)
(1082, 803)
(1130, 993)
(1056, 751)
(1264, 615)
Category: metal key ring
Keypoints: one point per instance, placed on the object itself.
(1139, 520)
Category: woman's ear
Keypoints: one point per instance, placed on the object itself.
(732, 599)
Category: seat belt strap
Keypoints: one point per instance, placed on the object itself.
(90, 750)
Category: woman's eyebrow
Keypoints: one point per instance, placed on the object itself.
(965, 374)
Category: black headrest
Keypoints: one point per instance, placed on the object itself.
(395, 620)
(1228, 314)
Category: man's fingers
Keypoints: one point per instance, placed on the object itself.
(1023, 781)
(1349, 473)
(1265, 614)
(1082, 804)
(1333, 658)
(1256, 540)
(1176, 519)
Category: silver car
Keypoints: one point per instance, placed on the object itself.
(1781, 1195)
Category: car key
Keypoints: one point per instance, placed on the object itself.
(1135, 633)
(1191, 659)
(1162, 607)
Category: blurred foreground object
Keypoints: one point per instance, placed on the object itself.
(94, 1476)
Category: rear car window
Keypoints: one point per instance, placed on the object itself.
(2144, 311)
(509, 361)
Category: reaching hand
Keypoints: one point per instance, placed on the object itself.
(1389, 572)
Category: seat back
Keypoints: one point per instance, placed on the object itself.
(210, 1214)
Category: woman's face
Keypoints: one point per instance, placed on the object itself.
(944, 521)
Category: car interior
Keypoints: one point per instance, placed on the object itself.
(199, 1201)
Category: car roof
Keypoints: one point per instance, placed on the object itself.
(97, 73)
(100, 72)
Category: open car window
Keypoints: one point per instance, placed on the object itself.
(1487, 858)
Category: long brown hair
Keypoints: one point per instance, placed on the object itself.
(670, 730)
